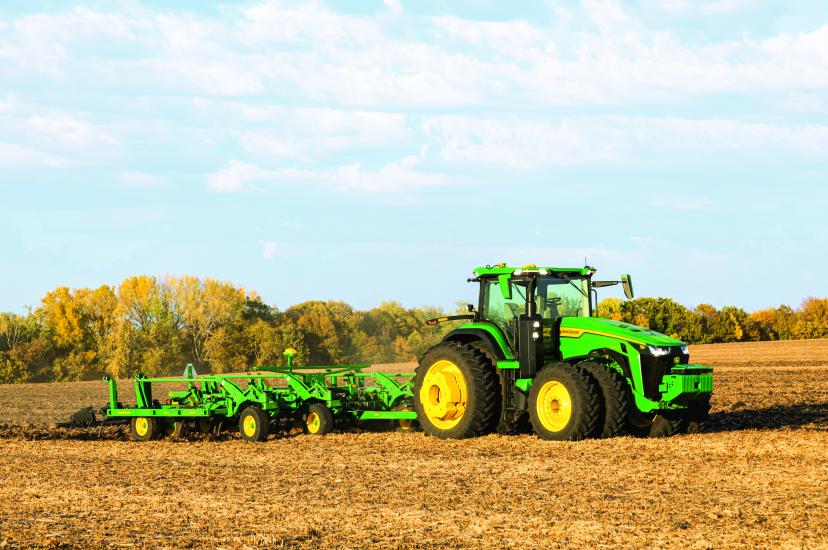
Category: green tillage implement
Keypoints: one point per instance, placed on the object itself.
(315, 396)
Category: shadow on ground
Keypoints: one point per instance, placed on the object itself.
(812, 416)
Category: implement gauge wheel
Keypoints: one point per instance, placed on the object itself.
(456, 392)
(253, 424)
(144, 428)
(564, 403)
(318, 420)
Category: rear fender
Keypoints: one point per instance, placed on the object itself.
(489, 334)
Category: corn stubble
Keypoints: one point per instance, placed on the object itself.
(760, 478)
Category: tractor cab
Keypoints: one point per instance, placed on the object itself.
(531, 291)
(528, 303)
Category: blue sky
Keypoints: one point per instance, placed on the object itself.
(371, 150)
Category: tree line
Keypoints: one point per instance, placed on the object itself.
(157, 325)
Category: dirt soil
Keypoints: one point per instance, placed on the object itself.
(758, 479)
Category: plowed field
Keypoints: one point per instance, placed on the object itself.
(758, 479)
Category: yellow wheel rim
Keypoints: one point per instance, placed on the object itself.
(405, 423)
(313, 422)
(554, 406)
(444, 395)
(141, 426)
(249, 426)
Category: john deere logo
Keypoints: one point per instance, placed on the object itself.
(676, 360)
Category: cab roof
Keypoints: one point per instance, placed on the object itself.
(503, 269)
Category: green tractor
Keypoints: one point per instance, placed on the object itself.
(533, 353)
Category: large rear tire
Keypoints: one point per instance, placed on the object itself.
(613, 389)
(509, 422)
(564, 404)
(456, 392)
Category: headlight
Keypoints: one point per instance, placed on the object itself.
(685, 350)
(656, 351)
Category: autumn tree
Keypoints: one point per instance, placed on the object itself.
(80, 324)
(208, 311)
(812, 319)
(147, 338)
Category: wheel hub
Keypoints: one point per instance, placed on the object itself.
(444, 394)
(249, 426)
(554, 406)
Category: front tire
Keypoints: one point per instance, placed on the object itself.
(456, 392)
(697, 417)
(613, 389)
(564, 404)
(664, 424)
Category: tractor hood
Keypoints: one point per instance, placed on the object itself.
(615, 329)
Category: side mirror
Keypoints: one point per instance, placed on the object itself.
(626, 280)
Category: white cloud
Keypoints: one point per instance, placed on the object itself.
(141, 179)
(308, 52)
(507, 36)
(18, 156)
(306, 133)
(269, 249)
(705, 8)
(69, 131)
(532, 145)
(237, 176)
(399, 176)
(395, 177)
(393, 6)
(607, 14)
(683, 204)
(9, 105)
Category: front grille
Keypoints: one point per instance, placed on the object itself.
(653, 369)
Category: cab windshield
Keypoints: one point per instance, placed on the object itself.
(556, 296)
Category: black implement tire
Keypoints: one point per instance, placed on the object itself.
(614, 391)
(144, 428)
(456, 392)
(697, 417)
(318, 420)
(564, 404)
(254, 424)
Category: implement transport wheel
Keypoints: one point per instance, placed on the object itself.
(407, 425)
(144, 428)
(663, 424)
(614, 400)
(318, 420)
(564, 404)
(253, 424)
(456, 392)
